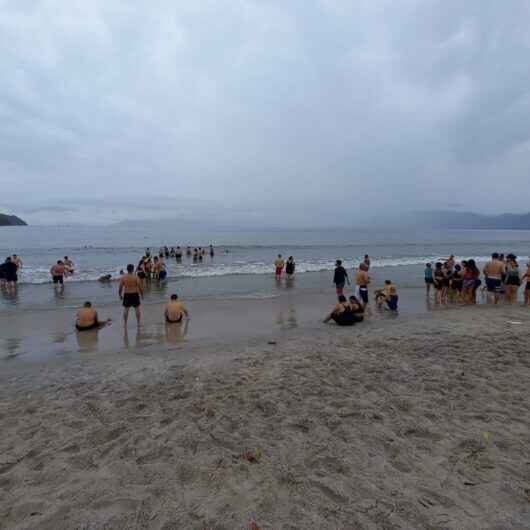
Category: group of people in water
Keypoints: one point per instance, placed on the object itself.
(197, 253)
(130, 292)
(459, 282)
(280, 265)
(9, 272)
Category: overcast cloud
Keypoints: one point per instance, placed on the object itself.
(301, 111)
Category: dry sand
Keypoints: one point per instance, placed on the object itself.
(414, 423)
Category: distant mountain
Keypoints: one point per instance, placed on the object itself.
(469, 220)
(11, 220)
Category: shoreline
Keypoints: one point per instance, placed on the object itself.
(42, 332)
(421, 422)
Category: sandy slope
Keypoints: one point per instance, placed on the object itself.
(409, 424)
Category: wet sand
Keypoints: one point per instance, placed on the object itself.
(417, 422)
(49, 333)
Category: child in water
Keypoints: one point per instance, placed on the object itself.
(428, 277)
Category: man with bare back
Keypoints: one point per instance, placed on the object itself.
(131, 292)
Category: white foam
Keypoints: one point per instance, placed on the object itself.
(40, 275)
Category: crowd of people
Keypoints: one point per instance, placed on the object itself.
(459, 282)
(450, 281)
(350, 311)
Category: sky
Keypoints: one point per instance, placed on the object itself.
(247, 112)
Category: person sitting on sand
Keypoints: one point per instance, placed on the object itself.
(387, 297)
(357, 308)
(175, 311)
(87, 318)
(342, 313)
(392, 299)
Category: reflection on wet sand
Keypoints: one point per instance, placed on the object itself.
(176, 332)
(11, 346)
(287, 319)
(87, 340)
(10, 296)
(144, 336)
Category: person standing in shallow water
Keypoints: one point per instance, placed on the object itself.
(429, 281)
(340, 278)
(130, 292)
(290, 267)
(361, 281)
(512, 280)
(57, 272)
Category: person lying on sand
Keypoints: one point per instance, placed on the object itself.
(343, 314)
(87, 318)
(175, 311)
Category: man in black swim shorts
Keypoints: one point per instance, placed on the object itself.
(131, 291)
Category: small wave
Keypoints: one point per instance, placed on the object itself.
(41, 275)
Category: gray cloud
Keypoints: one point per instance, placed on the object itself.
(310, 112)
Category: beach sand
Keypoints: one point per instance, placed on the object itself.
(417, 422)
